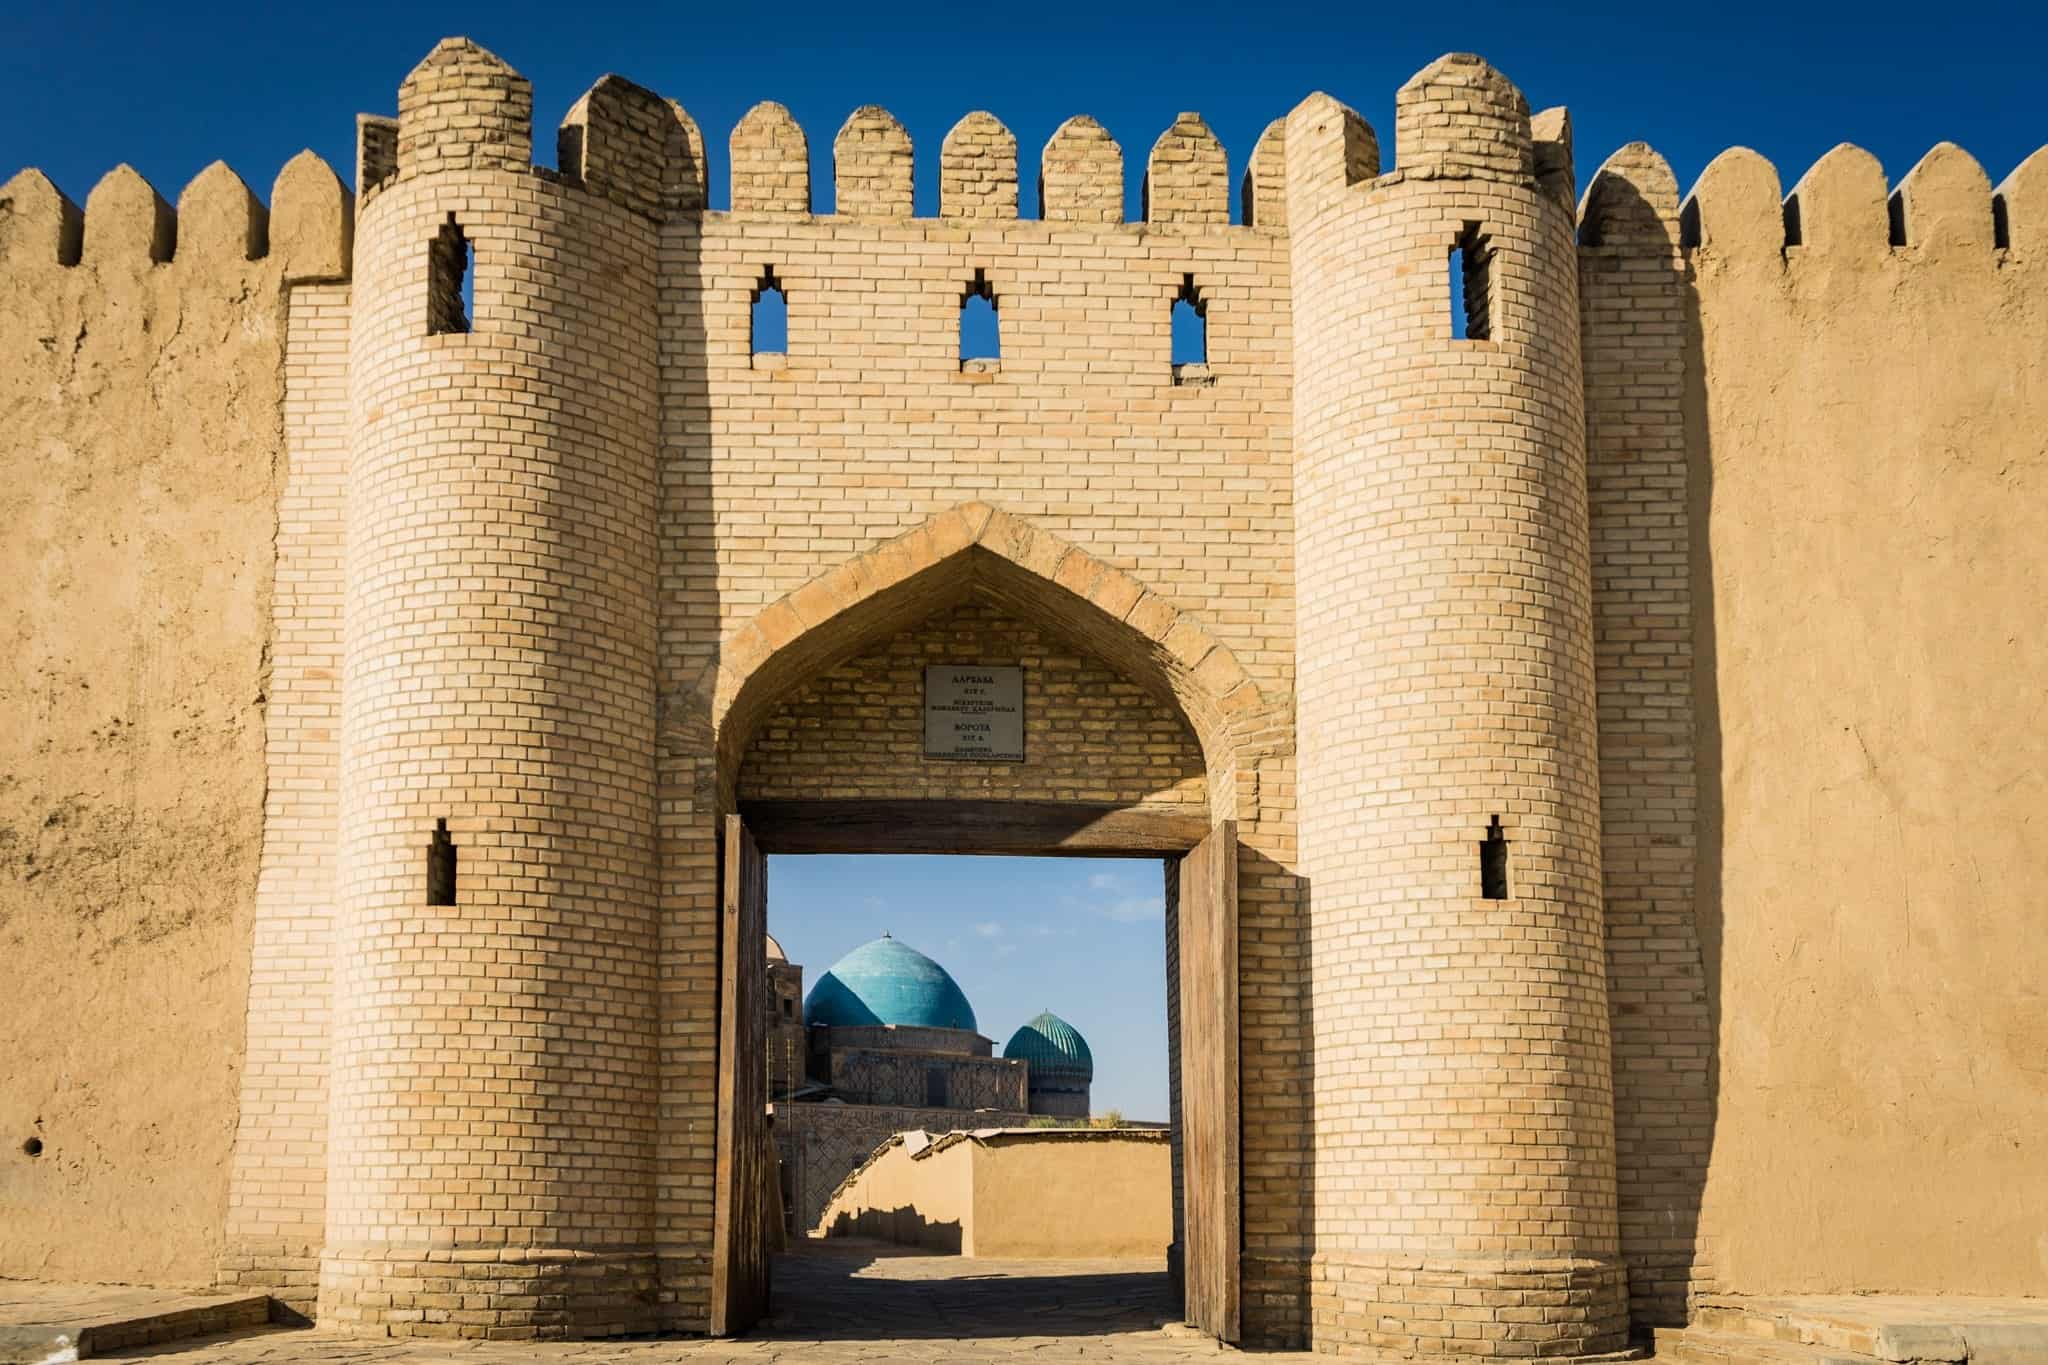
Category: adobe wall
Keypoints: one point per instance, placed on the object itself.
(921, 1199)
(141, 440)
(1870, 502)
(821, 1144)
(1015, 1194)
(1059, 1194)
(1817, 772)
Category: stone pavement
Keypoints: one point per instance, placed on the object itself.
(839, 1301)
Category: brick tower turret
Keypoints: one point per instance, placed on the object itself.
(1464, 1195)
(494, 1056)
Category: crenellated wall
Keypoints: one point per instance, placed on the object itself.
(493, 1081)
(1462, 1106)
(1137, 520)
(1711, 569)
(141, 464)
(1851, 383)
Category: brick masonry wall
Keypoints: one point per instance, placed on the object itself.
(857, 446)
(1634, 323)
(1872, 781)
(494, 1070)
(1463, 1111)
(277, 1198)
(1090, 734)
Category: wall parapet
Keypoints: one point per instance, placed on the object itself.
(1943, 209)
(306, 232)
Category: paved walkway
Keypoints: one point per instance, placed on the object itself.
(839, 1301)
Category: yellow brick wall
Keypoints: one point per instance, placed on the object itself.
(1090, 734)
(860, 446)
(1463, 1112)
(494, 1092)
(1632, 302)
(277, 1200)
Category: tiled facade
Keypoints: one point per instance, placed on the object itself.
(576, 571)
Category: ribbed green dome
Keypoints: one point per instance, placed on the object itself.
(1051, 1044)
(886, 982)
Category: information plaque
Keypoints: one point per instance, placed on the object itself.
(974, 711)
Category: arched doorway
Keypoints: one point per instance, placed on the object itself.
(979, 555)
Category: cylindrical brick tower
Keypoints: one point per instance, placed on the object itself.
(1464, 1195)
(494, 1066)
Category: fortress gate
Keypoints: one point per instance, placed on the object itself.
(1452, 658)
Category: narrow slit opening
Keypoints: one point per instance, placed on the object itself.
(1190, 325)
(1493, 863)
(770, 325)
(980, 334)
(1471, 283)
(2001, 224)
(441, 866)
(451, 274)
(1895, 208)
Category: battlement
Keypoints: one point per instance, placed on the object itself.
(1458, 118)
(1842, 208)
(464, 108)
(307, 230)
(978, 169)
(1631, 202)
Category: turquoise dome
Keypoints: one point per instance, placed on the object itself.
(1051, 1044)
(886, 982)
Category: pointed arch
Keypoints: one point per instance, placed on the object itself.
(978, 550)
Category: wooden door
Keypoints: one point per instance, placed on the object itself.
(739, 1229)
(1207, 924)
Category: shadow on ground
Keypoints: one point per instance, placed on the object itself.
(847, 1289)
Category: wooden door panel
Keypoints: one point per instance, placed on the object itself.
(1209, 1082)
(740, 1232)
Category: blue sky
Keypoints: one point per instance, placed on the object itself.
(170, 88)
(1082, 937)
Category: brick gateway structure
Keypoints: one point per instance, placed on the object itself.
(1380, 627)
